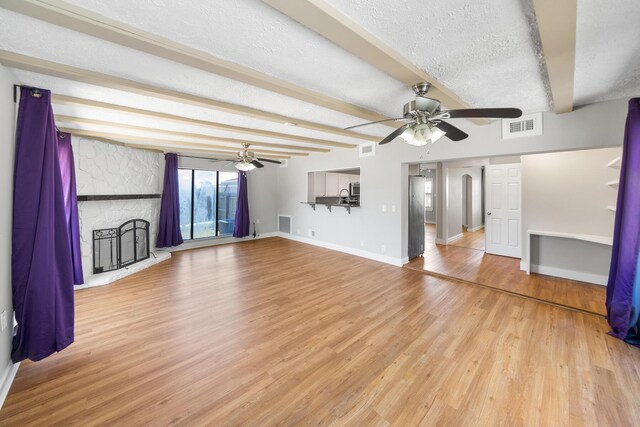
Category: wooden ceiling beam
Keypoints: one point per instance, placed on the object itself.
(329, 22)
(167, 142)
(42, 66)
(239, 142)
(104, 106)
(96, 25)
(557, 27)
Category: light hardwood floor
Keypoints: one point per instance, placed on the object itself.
(273, 332)
(470, 239)
(504, 273)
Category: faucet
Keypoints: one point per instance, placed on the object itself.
(340, 194)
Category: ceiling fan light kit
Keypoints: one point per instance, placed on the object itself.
(424, 122)
(247, 161)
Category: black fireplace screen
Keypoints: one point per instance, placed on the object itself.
(114, 248)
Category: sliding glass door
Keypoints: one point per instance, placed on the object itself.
(207, 203)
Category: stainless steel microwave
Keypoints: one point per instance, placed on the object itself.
(354, 189)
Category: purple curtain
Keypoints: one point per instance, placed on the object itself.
(68, 175)
(169, 227)
(623, 288)
(41, 264)
(241, 225)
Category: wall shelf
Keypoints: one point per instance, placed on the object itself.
(615, 163)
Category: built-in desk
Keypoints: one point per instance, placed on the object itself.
(601, 240)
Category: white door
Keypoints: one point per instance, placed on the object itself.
(503, 212)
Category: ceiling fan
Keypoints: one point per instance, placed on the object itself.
(248, 161)
(424, 119)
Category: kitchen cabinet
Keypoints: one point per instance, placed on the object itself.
(332, 184)
(320, 184)
(343, 183)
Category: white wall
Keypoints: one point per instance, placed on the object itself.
(105, 169)
(7, 141)
(384, 176)
(567, 192)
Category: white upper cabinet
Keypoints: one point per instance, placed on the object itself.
(343, 183)
(320, 184)
(332, 184)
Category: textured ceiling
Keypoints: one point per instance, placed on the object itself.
(488, 53)
(607, 51)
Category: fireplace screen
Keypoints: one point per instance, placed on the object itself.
(114, 248)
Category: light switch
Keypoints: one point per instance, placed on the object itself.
(393, 208)
(384, 208)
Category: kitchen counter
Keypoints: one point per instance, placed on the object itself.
(347, 206)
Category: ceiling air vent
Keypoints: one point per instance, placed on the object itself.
(529, 125)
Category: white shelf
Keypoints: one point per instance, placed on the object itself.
(614, 183)
(611, 208)
(615, 163)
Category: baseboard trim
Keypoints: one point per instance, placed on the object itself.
(8, 376)
(398, 262)
(219, 241)
(456, 237)
(440, 242)
(523, 266)
(580, 276)
(480, 227)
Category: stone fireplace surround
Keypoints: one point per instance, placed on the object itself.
(108, 169)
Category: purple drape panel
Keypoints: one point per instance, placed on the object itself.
(241, 225)
(41, 266)
(68, 175)
(169, 226)
(623, 288)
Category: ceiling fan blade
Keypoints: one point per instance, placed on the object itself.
(452, 132)
(498, 113)
(257, 164)
(396, 133)
(399, 119)
(270, 161)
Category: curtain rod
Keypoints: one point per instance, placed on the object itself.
(34, 91)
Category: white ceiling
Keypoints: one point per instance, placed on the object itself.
(486, 52)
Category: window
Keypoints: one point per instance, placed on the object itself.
(207, 203)
(428, 194)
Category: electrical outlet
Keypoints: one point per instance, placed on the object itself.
(384, 208)
(393, 208)
(361, 242)
(257, 221)
(312, 233)
(383, 249)
(3, 320)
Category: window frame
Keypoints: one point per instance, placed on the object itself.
(193, 204)
(428, 195)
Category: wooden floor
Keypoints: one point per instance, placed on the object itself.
(275, 332)
(504, 273)
(470, 239)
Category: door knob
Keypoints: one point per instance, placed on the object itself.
(488, 213)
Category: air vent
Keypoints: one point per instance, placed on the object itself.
(367, 149)
(284, 224)
(529, 125)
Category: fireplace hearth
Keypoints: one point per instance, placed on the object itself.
(115, 248)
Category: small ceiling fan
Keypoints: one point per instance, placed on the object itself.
(248, 161)
(424, 119)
